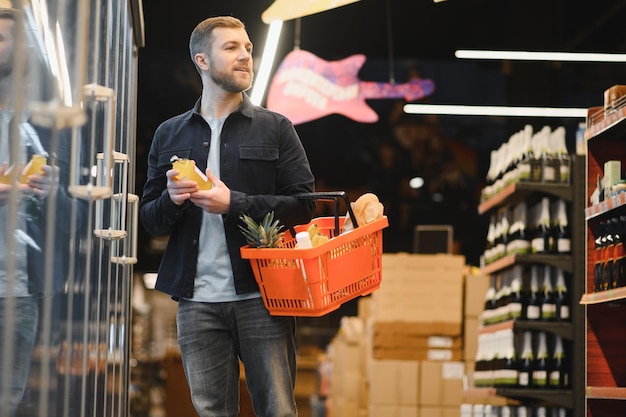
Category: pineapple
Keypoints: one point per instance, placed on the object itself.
(266, 234)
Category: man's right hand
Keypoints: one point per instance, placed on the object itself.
(179, 190)
(5, 189)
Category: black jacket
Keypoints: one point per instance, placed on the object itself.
(263, 163)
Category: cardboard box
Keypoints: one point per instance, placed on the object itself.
(420, 288)
(412, 335)
(470, 338)
(403, 353)
(439, 411)
(475, 289)
(393, 382)
(348, 356)
(418, 328)
(441, 383)
(350, 387)
(339, 407)
(378, 410)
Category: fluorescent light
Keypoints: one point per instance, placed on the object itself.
(495, 110)
(267, 60)
(539, 56)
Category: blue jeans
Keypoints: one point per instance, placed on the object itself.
(213, 337)
(21, 341)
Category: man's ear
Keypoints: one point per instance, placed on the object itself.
(201, 61)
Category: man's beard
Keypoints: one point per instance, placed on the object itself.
(228, 81)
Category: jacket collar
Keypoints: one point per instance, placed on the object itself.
(245, 108)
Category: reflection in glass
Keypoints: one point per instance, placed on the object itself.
(64, 294)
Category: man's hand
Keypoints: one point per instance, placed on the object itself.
(216, 200)
(179, 190)
(6, 189)
(44, 184)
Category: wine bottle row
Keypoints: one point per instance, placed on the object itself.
(528, 359)
(488, 410)
(531, 292)
(542, 228)
(609, 255)
(527, 156)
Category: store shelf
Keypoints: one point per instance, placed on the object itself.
(616, 294)
(606, 206)
(559, 261)
(573, 264)
(563, 329)
(520, 191)
(563, 398)
(606, 393)
(605, 364)
(598, 121)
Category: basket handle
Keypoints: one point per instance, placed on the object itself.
(331, 196)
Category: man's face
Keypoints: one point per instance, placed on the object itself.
(6, 47)
(230, 60)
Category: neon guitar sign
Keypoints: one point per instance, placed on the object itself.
(307, 87)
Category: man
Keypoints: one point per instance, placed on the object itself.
(256, 163)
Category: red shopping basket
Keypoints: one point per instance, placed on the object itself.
(315, 281)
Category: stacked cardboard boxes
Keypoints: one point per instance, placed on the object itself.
(405, 354)
(348, 385)
(416, 333)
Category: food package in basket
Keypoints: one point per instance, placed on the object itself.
(367, 209)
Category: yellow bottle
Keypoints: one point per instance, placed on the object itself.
(187, 170)
(33, 167)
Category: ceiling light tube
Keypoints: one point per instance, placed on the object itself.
(267, 61)
(506, 111)
(539, 56)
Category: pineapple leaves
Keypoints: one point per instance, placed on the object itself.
(267, 234)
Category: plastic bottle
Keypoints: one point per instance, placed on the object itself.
(187, 169)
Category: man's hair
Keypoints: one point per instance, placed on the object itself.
(8, 13)
(201, 38)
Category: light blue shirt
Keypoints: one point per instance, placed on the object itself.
(214, 280)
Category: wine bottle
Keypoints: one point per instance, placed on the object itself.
(597, 259)
(489, 311)
(518, 241)
(619, 254)
(541, 411)
(559, 372)
(517, 306)
(509, 374)
(525, 373)
(504, 309)
(523, 411)
(541, 365)
(607, 259)
(548, 299)
(550, 161)
(562, 297)
(558, 412)
(483, 372)
(490, 245)
(530, 164)
(502, 234)
(559, 147)
(562, 231)
(533, 309)
(541, 242)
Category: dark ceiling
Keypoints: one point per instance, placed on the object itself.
(398, 35)
(394, 34)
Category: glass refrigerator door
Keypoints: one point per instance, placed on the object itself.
(67, 209)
